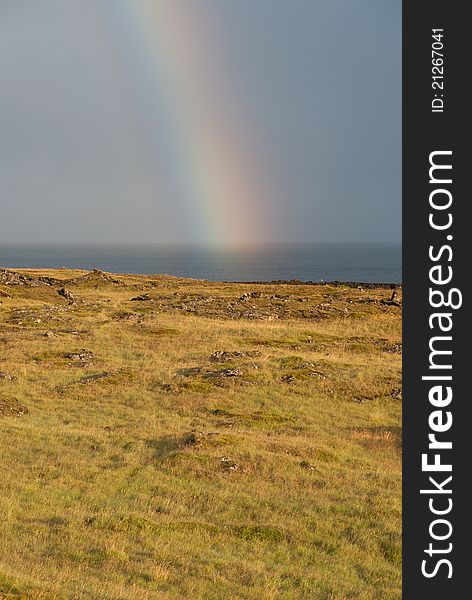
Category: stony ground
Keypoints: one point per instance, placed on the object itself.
(171, 438)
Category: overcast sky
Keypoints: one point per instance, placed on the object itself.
(303, 97)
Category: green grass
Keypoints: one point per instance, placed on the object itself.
(177, 476)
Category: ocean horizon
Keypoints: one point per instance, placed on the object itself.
(357, 262)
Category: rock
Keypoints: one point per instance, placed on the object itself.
(194, 438)
(6, 376)
(81, 355)
(171, 388)
(14, 278)
(50, 334)
(189, 372)
(198, 438)
(247, 295)
(223, 356)
(82, 358)
(9, 277)
(11, 407)
(392, 301)
(230, 465)
(95, 277)
(141, 298)
(66, 294)
(90, 378)
(397, 393)
(226, 373)
(83, 381)
(306, 465)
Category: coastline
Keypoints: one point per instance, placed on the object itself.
(282, 282)
(374, 263)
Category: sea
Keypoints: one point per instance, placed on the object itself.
(353, 262)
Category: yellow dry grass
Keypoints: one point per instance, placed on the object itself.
(138, 464)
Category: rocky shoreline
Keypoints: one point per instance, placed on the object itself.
(350, 284)
(17, 276)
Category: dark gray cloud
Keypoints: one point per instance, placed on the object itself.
(315, 84)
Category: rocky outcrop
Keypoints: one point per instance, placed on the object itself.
(95, 277)
(66, 294)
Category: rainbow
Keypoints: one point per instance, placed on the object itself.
(172, 43)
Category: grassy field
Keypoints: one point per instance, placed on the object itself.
(171, 438)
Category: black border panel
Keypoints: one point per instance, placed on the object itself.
(425, 132)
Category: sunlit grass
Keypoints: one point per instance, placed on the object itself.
(148, 469)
